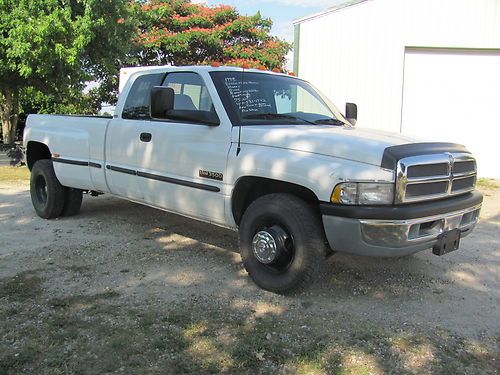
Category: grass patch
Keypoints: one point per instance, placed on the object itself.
(81, 301)
(23, 286)
(488, 184)
(14, 174)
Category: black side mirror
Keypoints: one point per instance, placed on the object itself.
(162, 101)
(351, 113)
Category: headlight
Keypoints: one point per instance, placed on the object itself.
(363, 193)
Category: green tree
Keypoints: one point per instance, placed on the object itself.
(74, 101)
(51, 47)
(181, 33)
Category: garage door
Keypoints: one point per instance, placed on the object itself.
(454, 96)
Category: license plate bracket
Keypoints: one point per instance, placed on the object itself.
(447, 242)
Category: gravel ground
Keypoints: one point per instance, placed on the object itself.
(140, 261)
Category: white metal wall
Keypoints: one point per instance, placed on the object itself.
(357, 53)
(454, 95)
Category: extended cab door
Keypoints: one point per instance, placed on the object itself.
(127, 138)
(182, 167)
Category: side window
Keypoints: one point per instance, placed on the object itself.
(139, 98)
(190, 92)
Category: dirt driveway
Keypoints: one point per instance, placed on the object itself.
(128, 289)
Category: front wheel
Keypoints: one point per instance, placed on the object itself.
(283, 245)
(47, 194)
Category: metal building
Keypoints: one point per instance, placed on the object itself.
(427, 68)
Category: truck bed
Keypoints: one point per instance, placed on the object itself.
(77, 145)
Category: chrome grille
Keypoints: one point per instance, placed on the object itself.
(428, 170)
(460, 184)
(435, 176)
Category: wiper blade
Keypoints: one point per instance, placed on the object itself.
(330, 121)
(272, 116)
(268, 116)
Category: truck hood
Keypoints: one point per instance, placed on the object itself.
(357, 144)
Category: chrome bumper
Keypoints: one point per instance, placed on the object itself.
(395, 237)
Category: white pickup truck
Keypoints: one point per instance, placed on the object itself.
(263, 153)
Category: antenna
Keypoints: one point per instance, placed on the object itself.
(238, 149)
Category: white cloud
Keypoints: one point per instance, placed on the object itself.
(199, 1)
(283, 30)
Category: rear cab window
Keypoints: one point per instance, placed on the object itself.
(191, 94)
(139, 97)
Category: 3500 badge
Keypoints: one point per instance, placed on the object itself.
(212, 175)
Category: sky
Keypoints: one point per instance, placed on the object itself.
(282, 12)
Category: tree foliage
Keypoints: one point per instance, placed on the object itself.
(53, 46)
(74, 101)
(178, 32)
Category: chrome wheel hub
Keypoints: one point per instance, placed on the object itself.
(268, 244)
(264, 247)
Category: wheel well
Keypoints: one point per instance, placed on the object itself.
(36, 151)
(250, 188)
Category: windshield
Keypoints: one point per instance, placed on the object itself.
(268, 99)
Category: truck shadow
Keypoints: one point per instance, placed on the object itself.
(467, 271)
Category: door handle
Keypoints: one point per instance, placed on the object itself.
(145, 137)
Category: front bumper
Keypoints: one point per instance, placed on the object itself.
(398, 230)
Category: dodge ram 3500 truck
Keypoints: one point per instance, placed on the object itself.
(262, 153)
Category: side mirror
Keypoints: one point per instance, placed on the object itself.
(351, 113)
(162, 101)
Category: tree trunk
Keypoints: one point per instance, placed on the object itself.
(9, 114)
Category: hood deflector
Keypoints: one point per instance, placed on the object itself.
(394, 153)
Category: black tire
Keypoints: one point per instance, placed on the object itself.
(47, 194)
(305, 256)
(72, 201)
